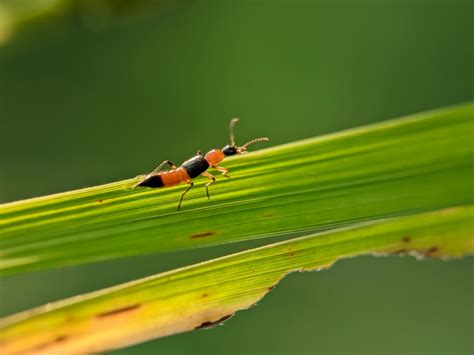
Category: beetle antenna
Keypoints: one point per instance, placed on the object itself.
(231, 129)
(256, 140)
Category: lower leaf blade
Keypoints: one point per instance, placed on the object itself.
(208, 293)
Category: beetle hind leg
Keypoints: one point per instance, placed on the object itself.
(159, 167)
(213, 180)
(191, 184)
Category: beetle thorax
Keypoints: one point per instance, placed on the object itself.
(214, 157)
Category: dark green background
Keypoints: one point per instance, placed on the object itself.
(80, 107)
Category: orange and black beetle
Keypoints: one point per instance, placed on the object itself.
(196, 166)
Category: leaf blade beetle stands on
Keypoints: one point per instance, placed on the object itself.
(196, 166)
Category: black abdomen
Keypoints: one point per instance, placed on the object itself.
(152, 181)
(195, 166)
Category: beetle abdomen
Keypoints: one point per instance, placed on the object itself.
(152, 181)
(195, 166)
(174, 177)
(166, 178)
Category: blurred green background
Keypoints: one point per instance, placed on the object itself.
(85, 101)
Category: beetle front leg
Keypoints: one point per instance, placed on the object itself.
(223, 170)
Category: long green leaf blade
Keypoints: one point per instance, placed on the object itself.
(205, 294)
(420, 163)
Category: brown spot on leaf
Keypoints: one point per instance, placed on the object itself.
(290, 252)
(204, 295)
(202, 235)
(210, 324)
(58, 339)
(406, 239)
(100, 201)
(118, 311)
(268, 215)
(431, 251)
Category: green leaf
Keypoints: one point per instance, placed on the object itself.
(416, 164)
(96, 15)
(208, 293)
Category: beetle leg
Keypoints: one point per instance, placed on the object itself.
(213, 180)
(223, 170)
(191, 184)
(158, 168)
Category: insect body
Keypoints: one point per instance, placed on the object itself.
(196, 166)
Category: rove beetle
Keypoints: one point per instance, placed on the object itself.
(196, 166)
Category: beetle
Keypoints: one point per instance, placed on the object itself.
(196, 166)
